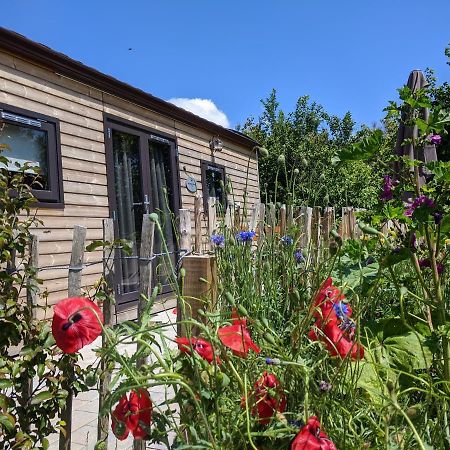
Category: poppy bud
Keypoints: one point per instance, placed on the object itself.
(91, 378)
(182, 272)
(368, 230)
(101, 445)
(263, 152)
(269, 338)
(242, 311)
(326, 199)
(305, 162)
(230, 298)
(154, 217)
(296, 172)
(337, 237)
(281, 159)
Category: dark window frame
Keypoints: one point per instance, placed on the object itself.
(54, 196)
(204, 167)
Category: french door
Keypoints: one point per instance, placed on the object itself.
(142, 179)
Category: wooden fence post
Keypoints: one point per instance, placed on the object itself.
(304, 222)
(185, 230)
(271, 218)
(198, 224)
(328, 221)
(290, 216)
(32, 286)
(254, 217)
(74, 290)
(108, 314)
(229, 216)
(261, 223)
(282, 220)
(145, 286)
(315, 235)
(348, 223)
(32, 297)
(212, 218)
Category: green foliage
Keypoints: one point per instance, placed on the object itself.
(27, 350)
(309, 138)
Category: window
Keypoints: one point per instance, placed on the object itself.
(213, 182)
(34, 139)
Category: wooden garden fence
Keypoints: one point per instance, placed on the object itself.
(313, 225)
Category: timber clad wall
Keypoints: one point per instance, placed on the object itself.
(80, 110)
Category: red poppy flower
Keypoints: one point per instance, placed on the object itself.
(132, 415)
(237, 337)
(311, 437)
(267, 398)
(76, 323)
(202, 347)
(333, 319)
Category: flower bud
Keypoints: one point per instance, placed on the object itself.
(281, 160)
(263, 152)
(242, 311)
(296, 172)
(154, 217)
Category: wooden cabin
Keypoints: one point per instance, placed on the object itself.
(107, 149)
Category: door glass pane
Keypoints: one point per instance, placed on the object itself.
(129, 205)
(26, 145)
(161, 197)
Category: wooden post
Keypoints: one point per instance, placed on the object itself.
(229, 216)
(271, 218)
(185, 230)
(32, 297)
(315, 234)
(212, 217)
(32, 286)
(328, 221)
(74, 290)
(289, 216)
(254, 217)
(304, 222)
(198, 224)
(348, 223)
(108, 314)
(261, 223)
(145, 286)
(282, 220)
(199, 290)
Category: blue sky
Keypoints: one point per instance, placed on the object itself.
(347, 55)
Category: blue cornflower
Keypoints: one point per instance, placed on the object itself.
(341, 309)
(245, 236)
(218, 240)
(298, 255)
(272, 361)
(287, 240)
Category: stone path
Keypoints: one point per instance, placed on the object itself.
(85, 405)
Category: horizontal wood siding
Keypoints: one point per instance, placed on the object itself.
(80, 110)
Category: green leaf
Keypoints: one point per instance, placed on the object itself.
(5, 384)
(41, 397)
(363, 149)
(7, 421)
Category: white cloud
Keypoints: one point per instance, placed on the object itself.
(203, 107)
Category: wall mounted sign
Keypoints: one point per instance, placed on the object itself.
(191, 185)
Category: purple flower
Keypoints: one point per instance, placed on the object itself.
(425, 263)
(272, 361)
(324, 386)
(388, 185)
(245, 236)
(419, 202)
(298, 255)
(435, 139)
(287, 240)
(218, 240)
(437, 217)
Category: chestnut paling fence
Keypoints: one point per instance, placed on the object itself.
(314, 226)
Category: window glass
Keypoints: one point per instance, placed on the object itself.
(26, 145)
(213, 180)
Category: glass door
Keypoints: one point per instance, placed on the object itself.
(141, 179)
